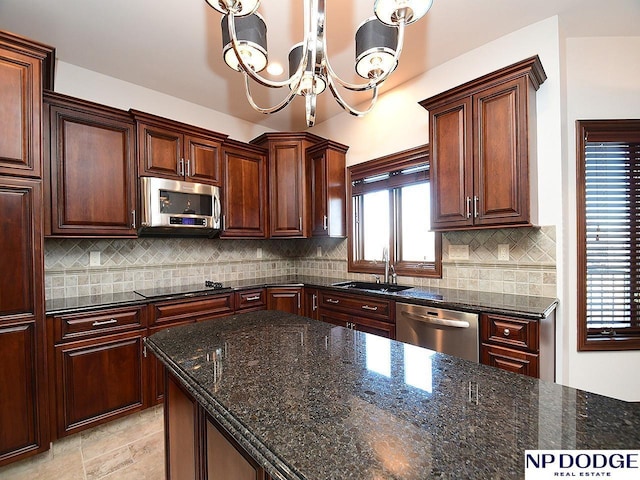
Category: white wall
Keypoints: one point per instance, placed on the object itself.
(89, 85)
(601, 83)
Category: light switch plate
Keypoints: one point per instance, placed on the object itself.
(503, 252)
(458, 252)
(319, 251)
(258, 253)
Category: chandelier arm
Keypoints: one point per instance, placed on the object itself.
(342, 102)
(276, 108)
(253, 74)
(310, 109)
(355, 87)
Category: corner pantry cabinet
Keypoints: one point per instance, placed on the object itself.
(482, 141)
(26, 67)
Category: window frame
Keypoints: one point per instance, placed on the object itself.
(596, 339)
(382, 165)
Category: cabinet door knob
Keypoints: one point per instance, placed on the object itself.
(475, 206)
(468, 207)
(506, 332)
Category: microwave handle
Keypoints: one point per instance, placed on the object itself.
(216, 209)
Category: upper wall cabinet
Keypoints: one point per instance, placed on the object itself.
(26, 67)
(289, 186)
(174, 150)
(482, 140)
(327, 165)
(91, 165)
(306, 184)
(244, 196)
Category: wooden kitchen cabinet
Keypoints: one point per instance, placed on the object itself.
(285, 299)
(23, 392)
(98, 367)
(250, 300)
(359, 312)
(174, 150)
(90, 161)
(482, 142)
(289, 186)
(245, 211)
(327, 164)
(519, 345)
(26, 67)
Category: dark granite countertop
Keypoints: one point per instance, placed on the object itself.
(530, 307)
(309, 400)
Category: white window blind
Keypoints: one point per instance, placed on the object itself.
(612, 204)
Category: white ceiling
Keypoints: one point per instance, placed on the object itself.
(173, 46)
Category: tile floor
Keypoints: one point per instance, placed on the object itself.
(128, 448)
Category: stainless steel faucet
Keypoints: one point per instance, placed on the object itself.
(385, 259)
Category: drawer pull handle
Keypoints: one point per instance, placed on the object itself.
(106, 322)
(252, 299)
(331, 300)
(367, 307)
(506, 332)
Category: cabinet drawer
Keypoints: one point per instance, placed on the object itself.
(357, 305)
(510, 332)
(511, 360)
(101, 322)
(198, 309)
(251, 299)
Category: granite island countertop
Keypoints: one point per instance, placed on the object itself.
(530, 307)
(310, 400)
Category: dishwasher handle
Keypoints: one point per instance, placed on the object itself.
(444, 322)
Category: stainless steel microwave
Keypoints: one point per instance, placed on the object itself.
(172, 207)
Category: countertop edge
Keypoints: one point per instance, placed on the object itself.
(274, 466)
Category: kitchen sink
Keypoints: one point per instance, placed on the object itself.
(378, 287)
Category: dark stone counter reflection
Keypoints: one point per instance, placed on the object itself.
(311, 400)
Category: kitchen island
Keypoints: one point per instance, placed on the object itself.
(302, 399)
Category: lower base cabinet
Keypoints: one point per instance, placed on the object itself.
(98, 381)
(196, 447)
(19, 392)
(285, 299)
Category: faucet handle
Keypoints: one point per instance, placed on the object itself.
(394, 275)
(377, 277)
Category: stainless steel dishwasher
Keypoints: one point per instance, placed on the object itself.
(446, 331)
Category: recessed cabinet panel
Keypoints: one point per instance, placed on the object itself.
(160, 152)
(99, 379)
(500, 173)
(286, 178)
(16, 249)
(244, 193)
(203, 160)
(452, 173)
(20, 107)
(18, 389)
(92, 165)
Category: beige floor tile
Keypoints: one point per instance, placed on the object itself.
(100, 440)
(108, 463)
(67, 466)
(152, 445)
(149, 468)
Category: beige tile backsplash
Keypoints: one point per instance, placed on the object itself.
(130, 264)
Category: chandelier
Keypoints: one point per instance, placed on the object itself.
(379, 42)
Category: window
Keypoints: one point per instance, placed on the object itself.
(608, 209)
(390, 210)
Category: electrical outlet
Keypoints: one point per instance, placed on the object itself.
(258, 253)
(319, 251)
(503, 252)
(458, 252)
(94, 259)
